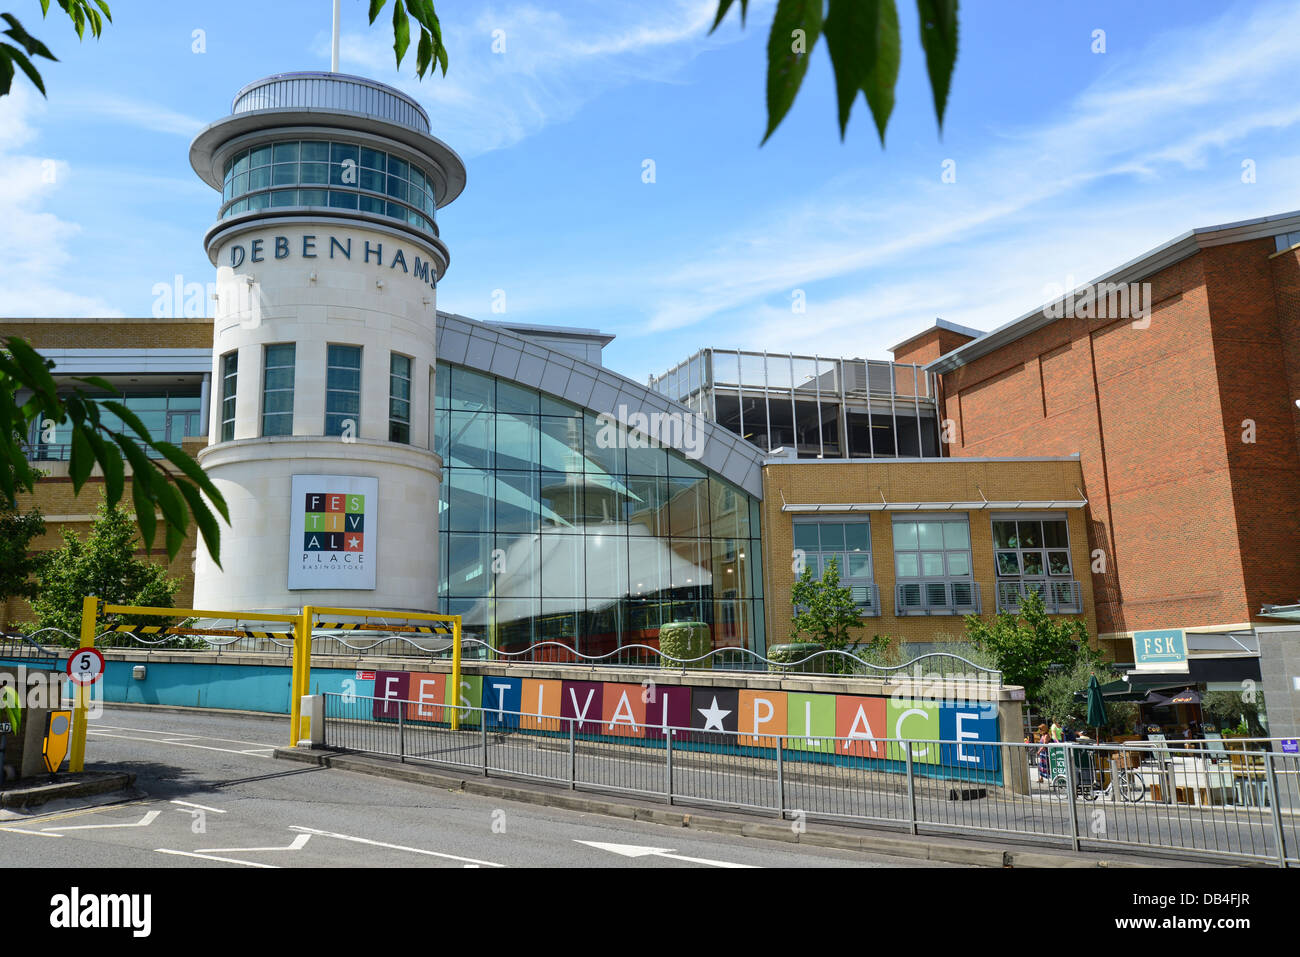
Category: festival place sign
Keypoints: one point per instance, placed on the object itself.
(863, 724)
(333, 530)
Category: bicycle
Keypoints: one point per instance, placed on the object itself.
(1126, 783)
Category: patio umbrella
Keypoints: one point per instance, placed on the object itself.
(1190, 696)
(1157, 699)
(1096, 705)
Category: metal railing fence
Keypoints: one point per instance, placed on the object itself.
(1240, 805)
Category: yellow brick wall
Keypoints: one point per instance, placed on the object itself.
(62, 509)
(954, 480)
(110, 333)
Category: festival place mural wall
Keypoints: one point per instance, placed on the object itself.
(947, 737)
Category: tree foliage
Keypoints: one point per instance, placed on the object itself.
(18, 565)
(176, 492)
(84, 13)
(824, 611)
(104, 565)
(1062, 696)
(865, 48)
(1027, 645)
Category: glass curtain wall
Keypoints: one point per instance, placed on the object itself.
(809, 405)
(557, 527)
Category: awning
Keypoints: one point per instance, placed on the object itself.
(933, 506)
(1199, 671)
(1284, 612)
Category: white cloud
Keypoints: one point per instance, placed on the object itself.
(123, 110)
(34, 244)
(551, 66)
(1027, 209)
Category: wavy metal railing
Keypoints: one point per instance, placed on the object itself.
(826, 662)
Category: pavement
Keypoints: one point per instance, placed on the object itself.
(208, 792)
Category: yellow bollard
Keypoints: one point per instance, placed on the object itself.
(89, 616)
(453, 693)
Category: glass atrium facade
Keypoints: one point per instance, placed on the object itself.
(329, 174)
(170, 414)
(558, 526)
(811, 406)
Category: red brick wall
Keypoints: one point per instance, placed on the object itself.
(1143, 408)
(930, 345)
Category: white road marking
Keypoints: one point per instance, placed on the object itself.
(209, 857)
(298, 844)
(393, 847)
(636, 850)
(201, 807)
(182, 744)
(184, 734)
(149, 818)
(19, 830)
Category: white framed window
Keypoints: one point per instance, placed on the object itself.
(342, 390)
(848, 542)
(932, 565)
(277, 389)
(229, 381)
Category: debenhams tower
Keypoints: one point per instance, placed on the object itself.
(327, 255)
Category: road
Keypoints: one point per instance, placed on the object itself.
(215, 797)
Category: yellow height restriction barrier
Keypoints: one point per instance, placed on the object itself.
(92, 607)
(303, 626)
(441, 624)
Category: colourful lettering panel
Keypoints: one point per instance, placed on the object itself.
(715, 709)
(471, 693)
(917, 722)
(427, 692)
(810, 721)
(582, 701)
(668, 707)
(863, 720)
(501, 697)
(390, 687)
(623, 710)
(540, 704)
(969, 724)
(761, 713)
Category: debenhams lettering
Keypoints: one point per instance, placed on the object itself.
(279, 247)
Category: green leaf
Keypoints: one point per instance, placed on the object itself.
(375, 7)
(32, 45)
(723, 7)
(6, 70)
(401, 31)
(130, 418)
(208, 526)
(423, 54)
(195, 473)
(882, 77)
(939, 38)
(110, 462)
(144, 516)
(169, 501)
(82, 459)
(795, 29)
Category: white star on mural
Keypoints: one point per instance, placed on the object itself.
(713, 716)
(352, 542)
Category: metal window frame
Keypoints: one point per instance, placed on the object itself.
(266, 369)
(360, 370)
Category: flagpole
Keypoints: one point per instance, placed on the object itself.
(334, 55)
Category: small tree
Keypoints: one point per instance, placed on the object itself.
(1063, 697)
(1028, 644)
(104, 565)
(824, 611)
(17, 563)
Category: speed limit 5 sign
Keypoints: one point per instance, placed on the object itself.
(85, 666)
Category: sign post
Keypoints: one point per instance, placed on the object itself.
(89, 615)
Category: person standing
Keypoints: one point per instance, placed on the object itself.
(1057, 733)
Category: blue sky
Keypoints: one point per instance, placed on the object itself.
(1067, 161)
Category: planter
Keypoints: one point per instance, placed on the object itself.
(684, 640)
(796, 652)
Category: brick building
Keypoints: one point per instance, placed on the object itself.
(1176, 379)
